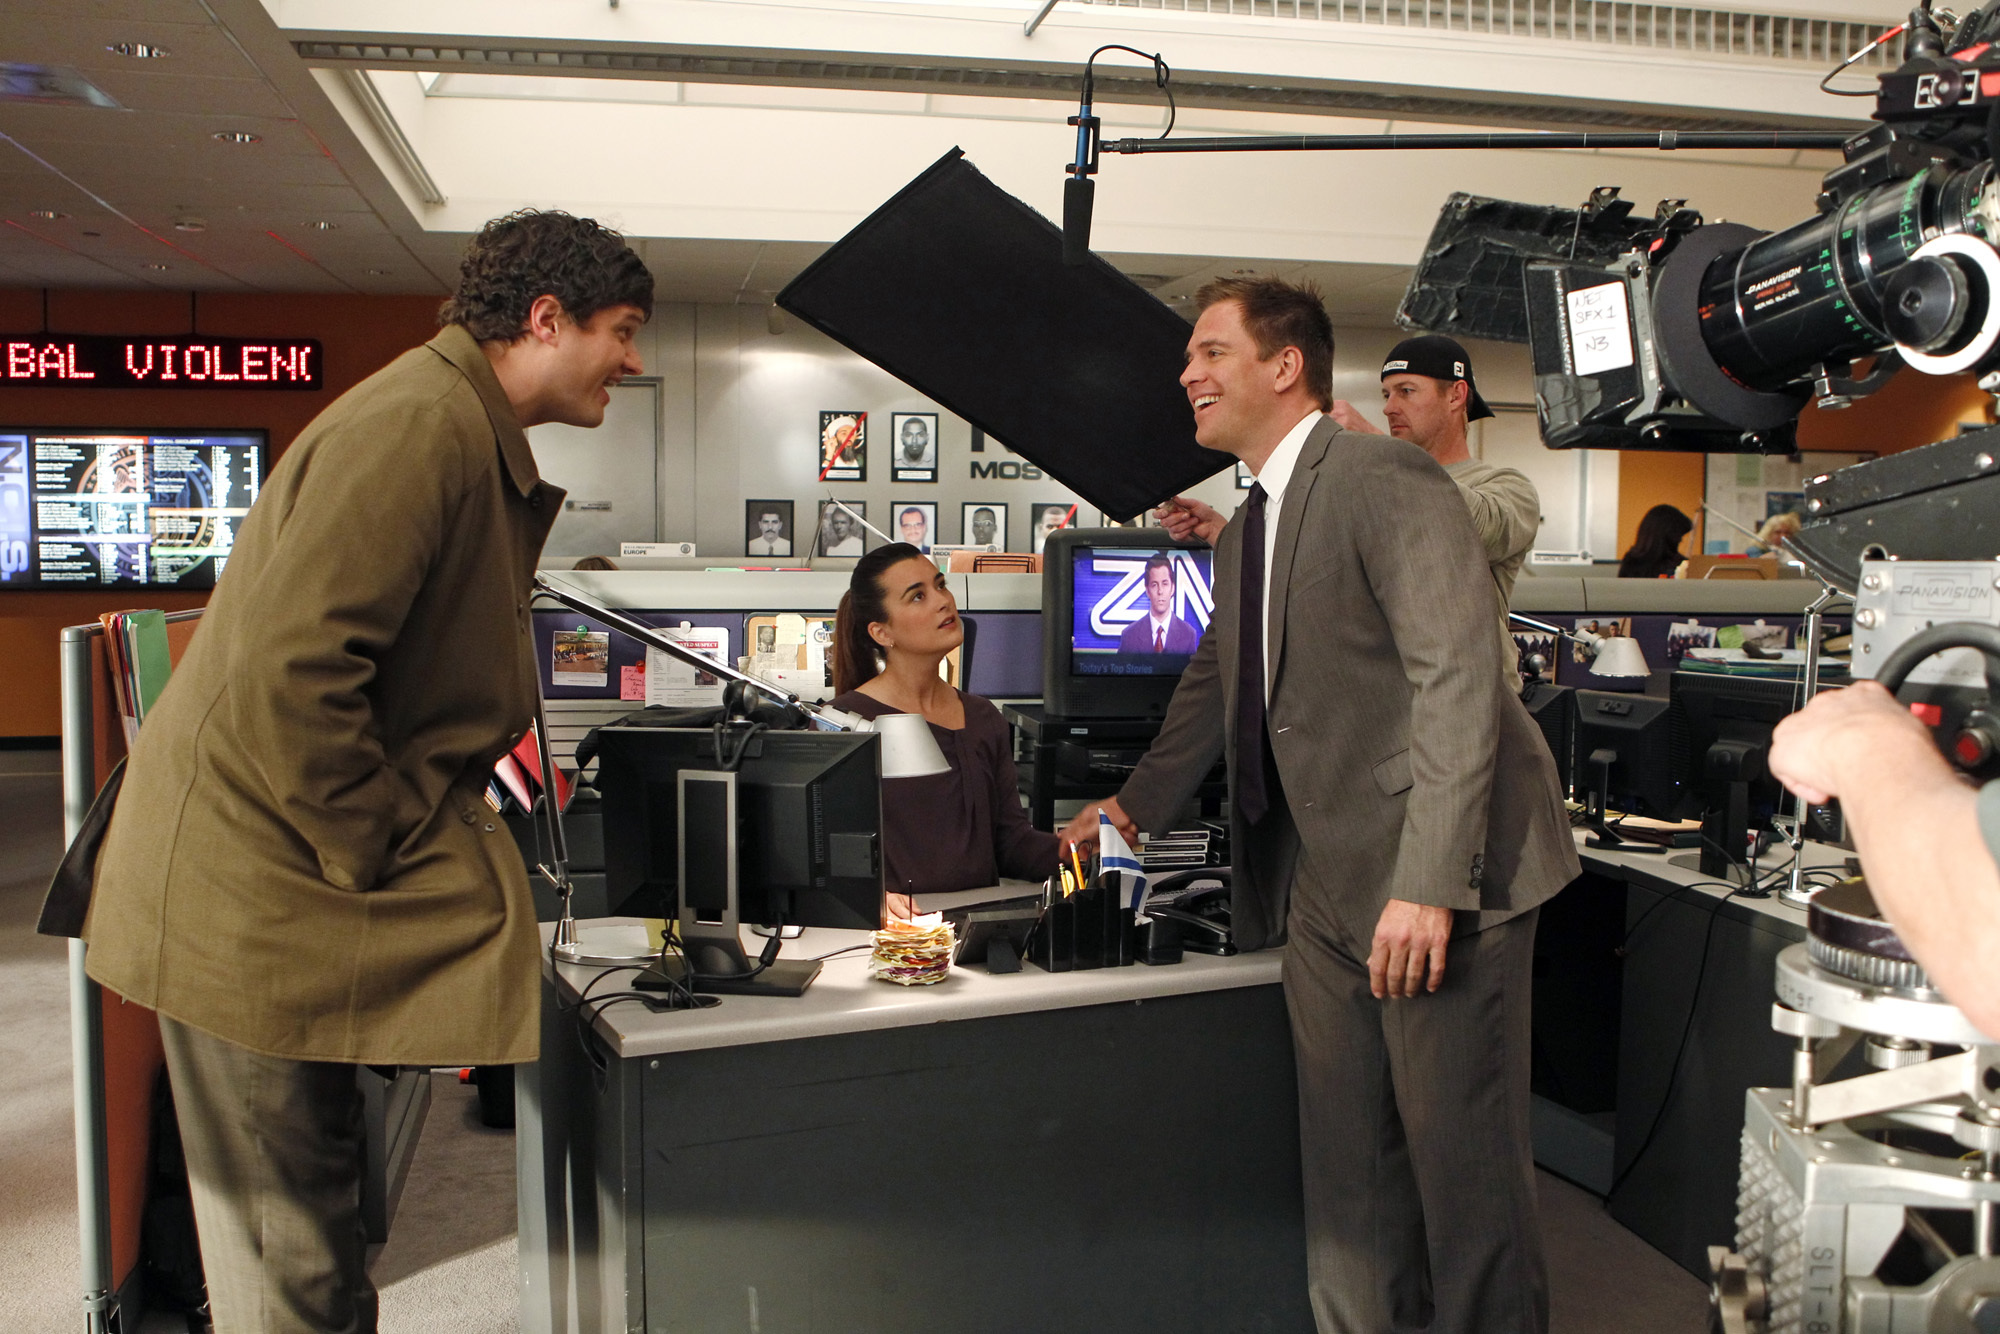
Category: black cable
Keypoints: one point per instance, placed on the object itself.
(837, 953)
(1837, 70)
(1680, 1051)
(1160, 76)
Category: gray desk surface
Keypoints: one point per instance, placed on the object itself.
(845, 999)
(1677, 870)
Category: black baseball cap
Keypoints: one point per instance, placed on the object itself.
(1441, 358)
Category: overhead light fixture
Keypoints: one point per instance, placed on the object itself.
(46, 214)
(322, 225)
(191, 225)
(139, 50)
(93, 233)
(378, 273)
(236, 137)
(159, 268)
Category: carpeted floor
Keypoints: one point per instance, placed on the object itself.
(449, 1266)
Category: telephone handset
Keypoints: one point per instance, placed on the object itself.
(1201, 913)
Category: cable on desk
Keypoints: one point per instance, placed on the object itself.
(1687, 1030)
(835, 954)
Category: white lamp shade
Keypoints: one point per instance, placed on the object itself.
(908, 748)
(1620, 659)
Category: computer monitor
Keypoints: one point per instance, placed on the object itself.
(1123, 611)
(789, 835)
(1725, 766)
(1625, 750)
(1553, 708)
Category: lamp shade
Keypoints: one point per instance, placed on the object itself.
(1619, 665)
(908, 748)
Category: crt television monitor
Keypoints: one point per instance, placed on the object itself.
(1123, 610)
(790, 835)
(86, 509)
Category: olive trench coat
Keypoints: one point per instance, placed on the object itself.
(302, 860)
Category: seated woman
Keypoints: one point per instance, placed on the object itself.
(958, 830)
(1656, 547)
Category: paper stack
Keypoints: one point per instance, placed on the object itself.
(913, 956)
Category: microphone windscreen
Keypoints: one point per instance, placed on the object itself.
(1079, 192)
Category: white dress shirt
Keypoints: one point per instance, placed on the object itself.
(1274, 477)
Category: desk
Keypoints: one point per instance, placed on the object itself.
(1681, 1195)
(1107, 1150)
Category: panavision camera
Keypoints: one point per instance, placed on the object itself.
(1869, 1198)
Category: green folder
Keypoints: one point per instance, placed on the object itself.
(146, 653)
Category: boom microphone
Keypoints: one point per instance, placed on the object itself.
(1079, 191)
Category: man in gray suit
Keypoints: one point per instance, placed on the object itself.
(1392, 809)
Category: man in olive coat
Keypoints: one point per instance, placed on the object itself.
(302, 873)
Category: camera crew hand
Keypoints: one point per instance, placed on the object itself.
(1407, 957)
(1818, 751)
(1184, 517)
(1081, 831)
(1350, 418)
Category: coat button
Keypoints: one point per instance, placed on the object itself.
(489, 828)
(467, 816)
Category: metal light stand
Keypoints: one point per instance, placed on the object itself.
(1794, 825)
(564, 947)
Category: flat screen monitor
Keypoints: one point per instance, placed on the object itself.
(1123, 611)
(1626, 748)
(1726, 770)
(789, 835)
(123, 509)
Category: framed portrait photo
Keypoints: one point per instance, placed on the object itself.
(843, 446)
(916, 523)
(839, 534)
(767, 528)
(983, 523)
(913, 437)
(1049, 516)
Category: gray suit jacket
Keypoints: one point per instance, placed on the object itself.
(1408, 772)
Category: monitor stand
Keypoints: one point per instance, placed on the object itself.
(721, 968)
(1596, 798)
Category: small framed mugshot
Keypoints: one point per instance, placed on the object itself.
(916, 445)
(843, 446)
(1049, 517)
(916, 523)
(983, 524)
(839, 534)
(767, 528)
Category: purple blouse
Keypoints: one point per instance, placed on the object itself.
(963, 829)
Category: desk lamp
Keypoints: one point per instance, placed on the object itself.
(908, 751)
(1615, 660)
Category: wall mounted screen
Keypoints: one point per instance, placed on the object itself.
(123, 509)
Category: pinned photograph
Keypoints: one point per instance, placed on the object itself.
(916, 523)
(916, 437)
(580, 657)
(983, 524)
(767, 527)
(843, 446)
(1604, 627)
(839, 534)
(1685, 635)
(1050, 517)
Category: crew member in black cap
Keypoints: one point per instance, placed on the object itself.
(1430, 399)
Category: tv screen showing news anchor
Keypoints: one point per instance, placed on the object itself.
(1138, 612)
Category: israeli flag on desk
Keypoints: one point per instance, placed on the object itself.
(1115, 854)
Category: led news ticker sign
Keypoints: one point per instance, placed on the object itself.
(112, 361)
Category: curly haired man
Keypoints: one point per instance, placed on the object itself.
(302, 875)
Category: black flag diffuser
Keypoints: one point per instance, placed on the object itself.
(959, 290)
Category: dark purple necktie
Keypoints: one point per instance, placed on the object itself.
(1251, 798)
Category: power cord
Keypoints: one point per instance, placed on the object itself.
(1687, 1026)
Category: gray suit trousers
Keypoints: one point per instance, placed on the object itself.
(1413, 1129)
(274, 1153)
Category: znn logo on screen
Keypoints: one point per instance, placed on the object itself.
(1126, 602)
(13, 507)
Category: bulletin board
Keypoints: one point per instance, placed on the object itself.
(1750, 488)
